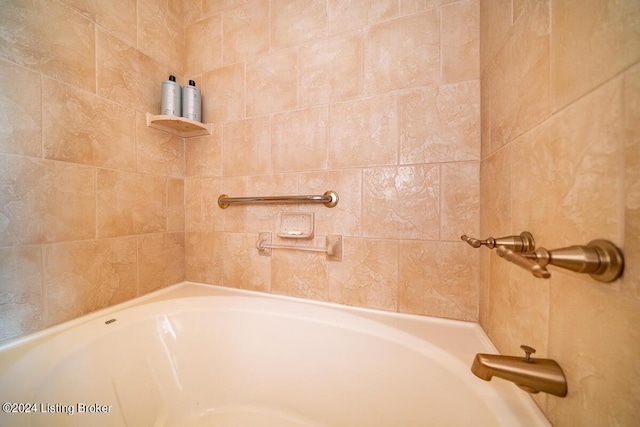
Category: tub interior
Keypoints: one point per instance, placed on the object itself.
(248, 361)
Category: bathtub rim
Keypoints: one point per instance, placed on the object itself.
(187, 289)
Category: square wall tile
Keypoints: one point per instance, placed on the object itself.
(81, 277)
(440, 123)
(495, 191)
(344, 15)
(209, 7)
(130, 203)
(203, 46)
(300, 274)
(297, 21)
(247, 147)
(20, 111)
(49, 37)
(203, 155)
(631, 91)
(496, 17)
(518, 77)
(401, 202)
(175, 205)
(193, 10)
(127, 76)
(201, 204)
(80, 127)
(223, 94)
(244, 267)
(460, 200)
(204, 254)
(363, 133)
(591, 45)
(390, 60)
(324, 63)
(117, 16)
(21, 292)
(161, 32)
(367, 275)
(45, 201)
(299, 140)
(245, 31)
(460, 42)
(158, 152)
(272, 83)
(486, 143)
(160, 261)
(408, 7)
(438, 279)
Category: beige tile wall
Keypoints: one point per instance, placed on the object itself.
(91, 200)
(560, 158)
(378, 100)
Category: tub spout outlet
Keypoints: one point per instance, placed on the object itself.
(530, 374)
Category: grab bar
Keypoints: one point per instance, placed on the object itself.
(329, 199)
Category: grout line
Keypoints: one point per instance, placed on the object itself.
(137, 284)
(440, 49)
(398, 131)
(42, 148)
(440, 199)
(95, 56)
(551, 61)
(95, 203)
(43, 288)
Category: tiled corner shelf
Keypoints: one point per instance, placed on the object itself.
(179, 126)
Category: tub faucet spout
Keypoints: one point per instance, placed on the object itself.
(531, 375)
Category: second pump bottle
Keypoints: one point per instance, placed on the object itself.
(181, 102)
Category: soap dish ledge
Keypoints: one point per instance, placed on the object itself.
(179, 126)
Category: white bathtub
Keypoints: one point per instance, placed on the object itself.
(193, 355)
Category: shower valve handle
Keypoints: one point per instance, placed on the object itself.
(528, 264)
(522, 243)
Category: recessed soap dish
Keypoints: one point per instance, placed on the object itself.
(296, 225)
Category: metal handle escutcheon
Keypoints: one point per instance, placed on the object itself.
(600, 258)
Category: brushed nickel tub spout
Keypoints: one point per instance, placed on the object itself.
(531, 375)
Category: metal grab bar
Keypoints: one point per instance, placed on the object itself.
(329, 199)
